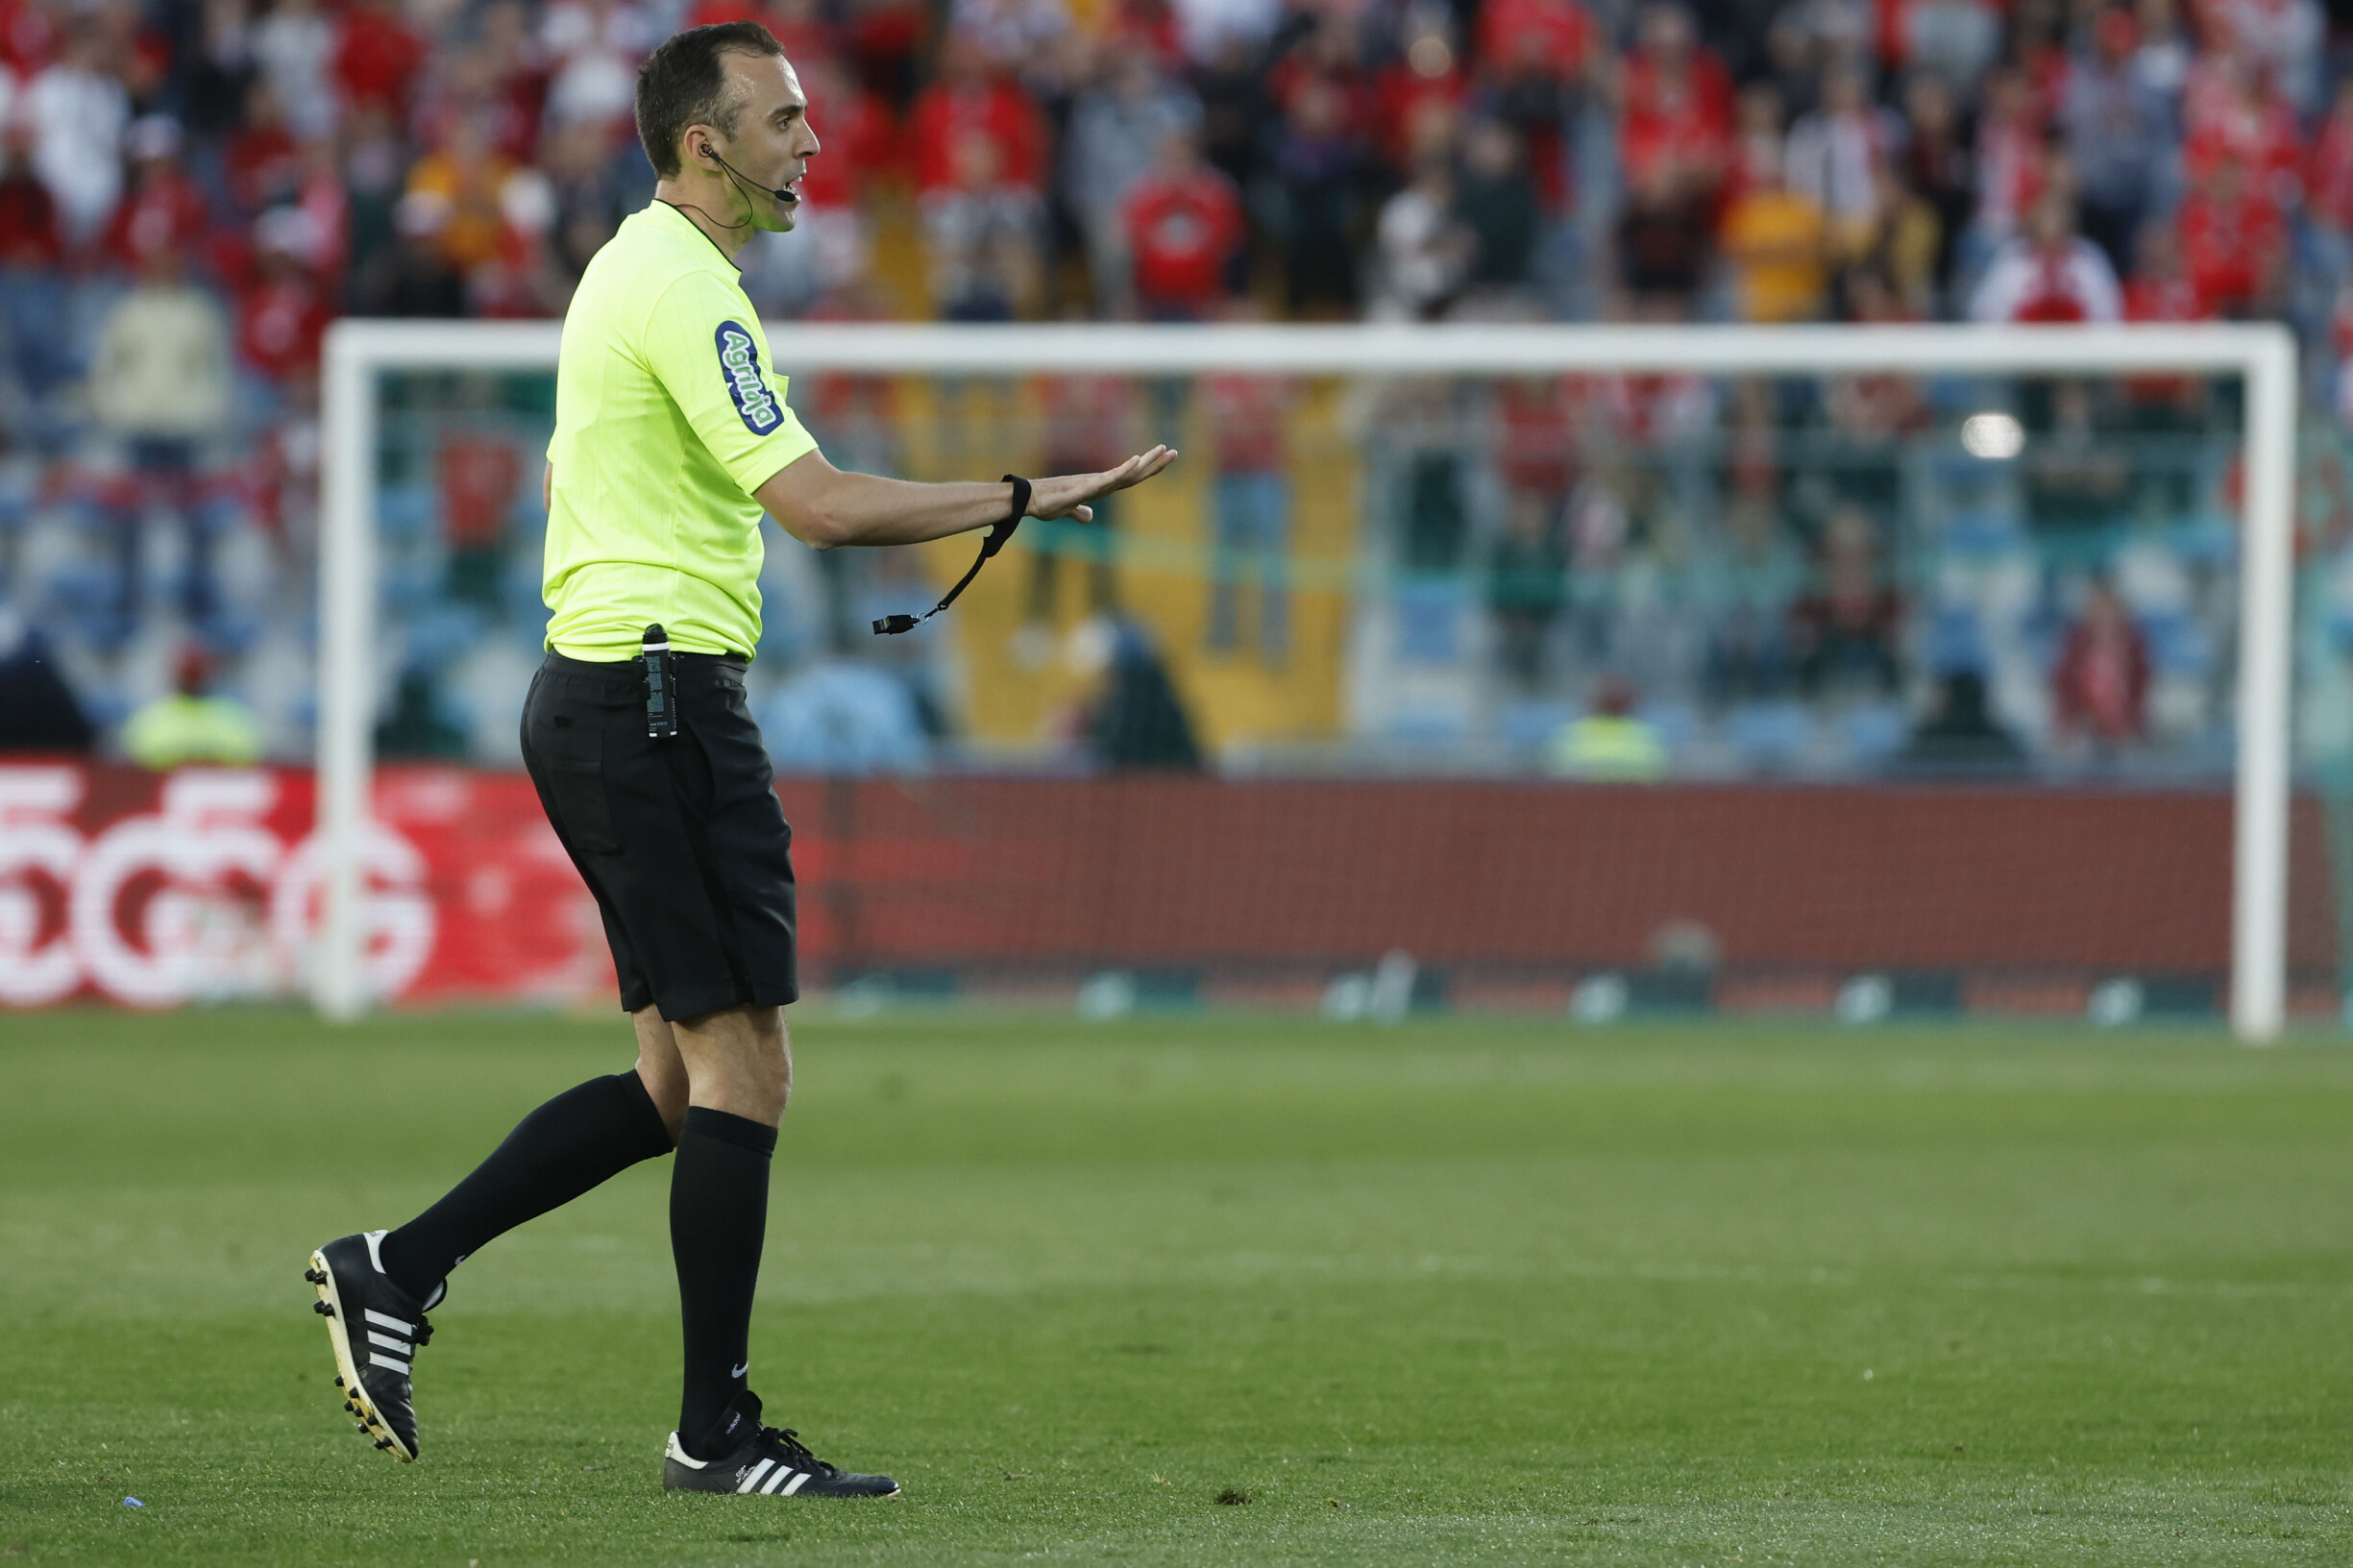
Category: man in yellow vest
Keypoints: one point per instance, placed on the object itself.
(672, 437)
(1610, 745)
(190, 725)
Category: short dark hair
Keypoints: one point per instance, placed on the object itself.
(684, 81)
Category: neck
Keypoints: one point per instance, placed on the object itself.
(711, 204)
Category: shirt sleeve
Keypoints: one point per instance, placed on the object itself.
(708, 353)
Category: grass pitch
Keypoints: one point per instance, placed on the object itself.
(1465, 1291)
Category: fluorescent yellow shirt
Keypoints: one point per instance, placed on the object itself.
(176, 730)
(666, 422)
(1609, 749)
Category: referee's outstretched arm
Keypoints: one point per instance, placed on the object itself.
(825, 507)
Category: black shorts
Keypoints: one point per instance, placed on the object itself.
(681, 840)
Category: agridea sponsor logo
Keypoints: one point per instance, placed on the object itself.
(739, 361)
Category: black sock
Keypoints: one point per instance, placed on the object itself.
(576, 1140)
(718, 1220)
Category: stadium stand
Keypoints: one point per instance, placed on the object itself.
(1778, 577)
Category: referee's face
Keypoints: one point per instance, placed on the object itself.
(772, 142)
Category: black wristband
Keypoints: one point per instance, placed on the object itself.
(890, 626)
(999, 532)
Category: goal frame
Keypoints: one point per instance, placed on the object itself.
(2263, 354)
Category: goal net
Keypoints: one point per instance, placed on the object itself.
(1606, 670)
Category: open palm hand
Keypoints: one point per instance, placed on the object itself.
(1066, 495)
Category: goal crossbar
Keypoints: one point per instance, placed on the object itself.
(2264, 354)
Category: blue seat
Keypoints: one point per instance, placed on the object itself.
(1768, 734)
(1873, 732)
(1430, 617)
(2179, 644)
(1530, 724)
(403, 510)
(1675, 723)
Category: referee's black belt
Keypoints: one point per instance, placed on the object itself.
(631, 672)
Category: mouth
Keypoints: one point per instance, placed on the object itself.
(791, 189)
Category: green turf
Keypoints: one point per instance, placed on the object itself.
(1469, 1290)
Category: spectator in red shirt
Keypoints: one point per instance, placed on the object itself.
(281, 313)
(1328, 55)
(2328, 185)
(323, 199)
(2013, 153)
(2341, 339)
(2161, 291)
(2049, 276)
(163, 210)
(263, 160)
(1424, 81)
(2100, 686)
(1756, 153)
(377, 58)
(1535, 436)
(2233, 243)
(515, 71)
(28, 214)
(1090, 426)
(1185, 230)
(1248, 415)
(1551, 39)
(1114, 140)
(481, 474)
(2234, 114)
(1153, 26)
(885, 37)
(29, 37)
(968, 101)
(473, 85)
(1674, 118)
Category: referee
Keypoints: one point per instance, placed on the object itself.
(671, 440)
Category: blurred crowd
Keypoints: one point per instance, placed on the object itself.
(190, 192)
(1767, 159)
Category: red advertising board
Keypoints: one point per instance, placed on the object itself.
(157, 889)
(154, 889)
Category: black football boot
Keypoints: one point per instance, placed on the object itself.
(765, 1462)
(376, 1328)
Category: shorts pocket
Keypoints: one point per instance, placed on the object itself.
(573, 758)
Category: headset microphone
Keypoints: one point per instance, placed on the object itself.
(782, 193)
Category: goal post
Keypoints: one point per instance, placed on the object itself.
(2262, 355)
